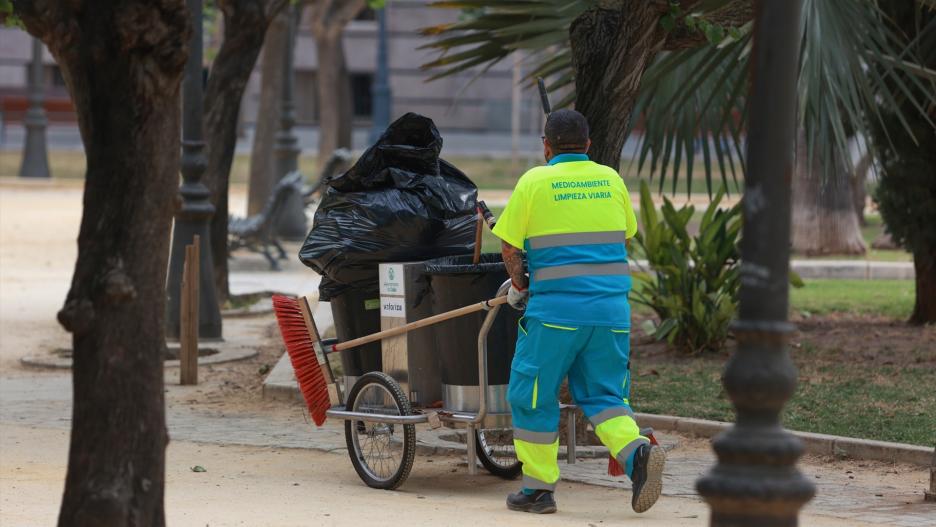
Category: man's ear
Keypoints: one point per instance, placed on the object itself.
(547, 150)
(587, 146)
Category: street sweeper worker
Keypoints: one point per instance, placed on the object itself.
(573, 218)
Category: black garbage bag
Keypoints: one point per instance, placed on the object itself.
(399, 202)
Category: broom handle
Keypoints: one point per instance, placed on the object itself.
(478, 231)
(441, 317)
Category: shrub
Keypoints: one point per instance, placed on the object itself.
(694, 284)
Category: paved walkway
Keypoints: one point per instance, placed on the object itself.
(874, 495)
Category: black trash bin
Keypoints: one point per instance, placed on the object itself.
(457, 282)
(357, 313)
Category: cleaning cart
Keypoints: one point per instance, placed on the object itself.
(380, 420)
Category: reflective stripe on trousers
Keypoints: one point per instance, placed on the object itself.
(538, 451)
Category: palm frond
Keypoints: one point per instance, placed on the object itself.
(496, 28)
(692, 103)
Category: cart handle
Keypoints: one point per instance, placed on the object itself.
(484, 305)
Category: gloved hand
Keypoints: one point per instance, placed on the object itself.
(517, 298)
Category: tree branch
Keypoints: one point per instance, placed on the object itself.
(733, 15)
(273, 8)
(347, 11)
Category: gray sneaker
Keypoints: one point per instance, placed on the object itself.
(540, 502)
(648, 477)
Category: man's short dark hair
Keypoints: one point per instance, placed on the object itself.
(567, 131)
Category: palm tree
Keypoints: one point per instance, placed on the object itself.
(680, 69)
(906, 194)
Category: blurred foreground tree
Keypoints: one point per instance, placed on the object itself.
(122, 62)
(906, 194)
(245, 25)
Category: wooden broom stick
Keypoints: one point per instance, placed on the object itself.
(441, 317)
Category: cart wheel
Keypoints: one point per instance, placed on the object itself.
(382, 453)
(496, 451)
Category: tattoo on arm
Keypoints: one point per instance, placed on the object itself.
(514, 262)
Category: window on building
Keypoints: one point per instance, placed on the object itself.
(362, 99)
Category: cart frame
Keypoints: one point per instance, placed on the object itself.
(473, 421)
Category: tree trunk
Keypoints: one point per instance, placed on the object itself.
(860, 187)
(262, 163)
(334, 101)
(329, 18)
(924, 308)
(123, 68)
(611, 49)
(824, 219)
(612, 45)
(245, 23)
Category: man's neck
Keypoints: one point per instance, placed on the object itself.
(564, 157)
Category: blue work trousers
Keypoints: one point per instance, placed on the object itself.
(595, 360)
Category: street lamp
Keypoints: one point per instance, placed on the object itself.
(292, 223)
(195, 213)
(382, 97)
(755, 481)
(35, 153)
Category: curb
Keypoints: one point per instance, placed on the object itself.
(853, 269)
(281, 385)
(841, 269)
(820, 444)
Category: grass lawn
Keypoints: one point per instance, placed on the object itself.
(487, 173)
(886, 403)
(862, 372)
(889, 298)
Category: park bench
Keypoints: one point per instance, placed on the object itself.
(339, 160)
(257, 233)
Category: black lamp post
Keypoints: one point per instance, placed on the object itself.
(755, 481)
(382, 96)
(292, 223)
(35, 153)
(196, 210)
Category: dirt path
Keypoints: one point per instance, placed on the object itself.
(291, 487)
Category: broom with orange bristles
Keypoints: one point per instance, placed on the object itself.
(306, 354)
(309, 357)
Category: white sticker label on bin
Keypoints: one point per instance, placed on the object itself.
(393, 307)
(391, 279)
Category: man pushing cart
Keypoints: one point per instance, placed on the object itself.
(573, 218)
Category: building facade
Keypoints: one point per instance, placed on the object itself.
(467, 102)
